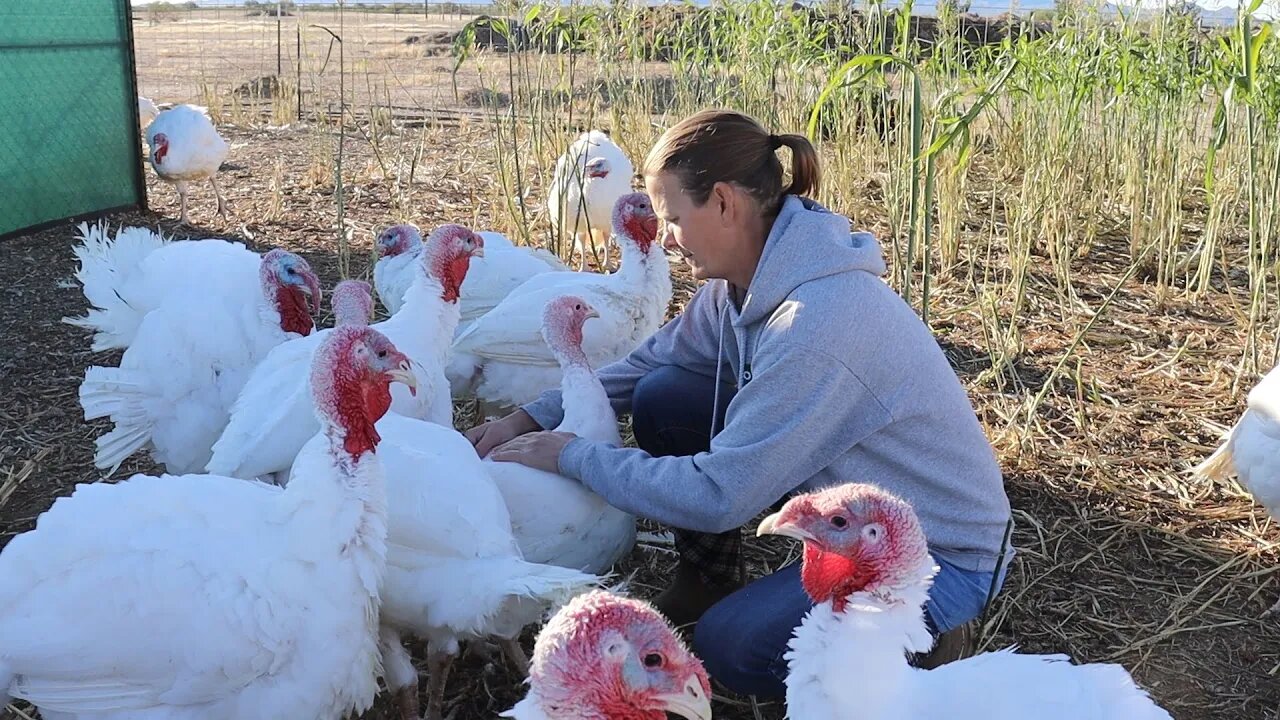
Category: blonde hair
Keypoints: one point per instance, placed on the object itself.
(714, 146)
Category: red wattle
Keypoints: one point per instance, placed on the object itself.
(295, 316)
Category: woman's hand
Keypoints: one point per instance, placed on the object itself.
(538, 450)
(487, 436)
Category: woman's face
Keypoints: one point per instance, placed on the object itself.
(704, 236)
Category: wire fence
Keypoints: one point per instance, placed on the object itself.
(292, 63)
(298, 61)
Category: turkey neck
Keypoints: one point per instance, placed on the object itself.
(648, 271)
(868, 640)
(633, 269)
(423, 329)
(584, 402)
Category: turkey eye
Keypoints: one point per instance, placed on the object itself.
(382, 353)
(839, 522)
(653, 660)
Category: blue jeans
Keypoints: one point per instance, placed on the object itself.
(742, 638)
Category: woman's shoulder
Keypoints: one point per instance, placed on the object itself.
(848, 315)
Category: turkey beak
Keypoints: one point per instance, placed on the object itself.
(312, 289)
(691, 703)
(592, 313)
(477, 251)
(775, 524)
(403, 373)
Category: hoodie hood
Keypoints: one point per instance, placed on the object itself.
(807, 242)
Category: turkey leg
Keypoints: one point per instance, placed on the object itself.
(399, 673)
(222, 202)
(515, 653)
(182, 197)
(438, 663)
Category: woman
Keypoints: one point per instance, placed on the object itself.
(794, 367)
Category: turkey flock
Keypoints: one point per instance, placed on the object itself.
(319, 507)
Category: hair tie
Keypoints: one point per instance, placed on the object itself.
(775, 142)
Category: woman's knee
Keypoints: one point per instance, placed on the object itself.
(648, 400)
(668, 416)
(741, 639)
(958, 596)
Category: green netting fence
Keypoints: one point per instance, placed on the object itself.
(69, 139)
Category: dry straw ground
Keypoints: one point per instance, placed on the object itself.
(1120, 555)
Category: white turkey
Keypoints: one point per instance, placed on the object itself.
(866, 567)
(490, 279)
(606, 656)
(177, 381)
(203, 597)
(557, 520)
(129, 275)
(589, 179)
(352, 303)
(270, 420)
(186, 148)
(1252, 450)
(147, 111)
(503, 358)
(453, 570)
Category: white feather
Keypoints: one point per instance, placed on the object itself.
(199, 597)
(147, 111)
(560, 521)
(577, 202)
(1252, 448)
(271, 418)
(852, 665)
(453, 569)
(503, 355)
(196, 150)
(129, 275)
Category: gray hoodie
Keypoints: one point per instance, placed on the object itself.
(838, 381)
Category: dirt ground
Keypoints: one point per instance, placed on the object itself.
(1120, 556)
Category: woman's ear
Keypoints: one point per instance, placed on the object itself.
(726, 202)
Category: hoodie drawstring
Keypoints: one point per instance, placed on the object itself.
(715, 402)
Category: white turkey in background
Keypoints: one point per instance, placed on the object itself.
(352, 302)
(270, 420)
(589, 179)
(490, 279)
(606, 656)
(399, 250)
(503, 358)
(867, 568)
(203, 597)
(453, 570)
(557, 520)
(1252, 450)
(186, 148)
(138, 270)
(177, 381)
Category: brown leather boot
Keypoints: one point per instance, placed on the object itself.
(690, 595)
(955, 644)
